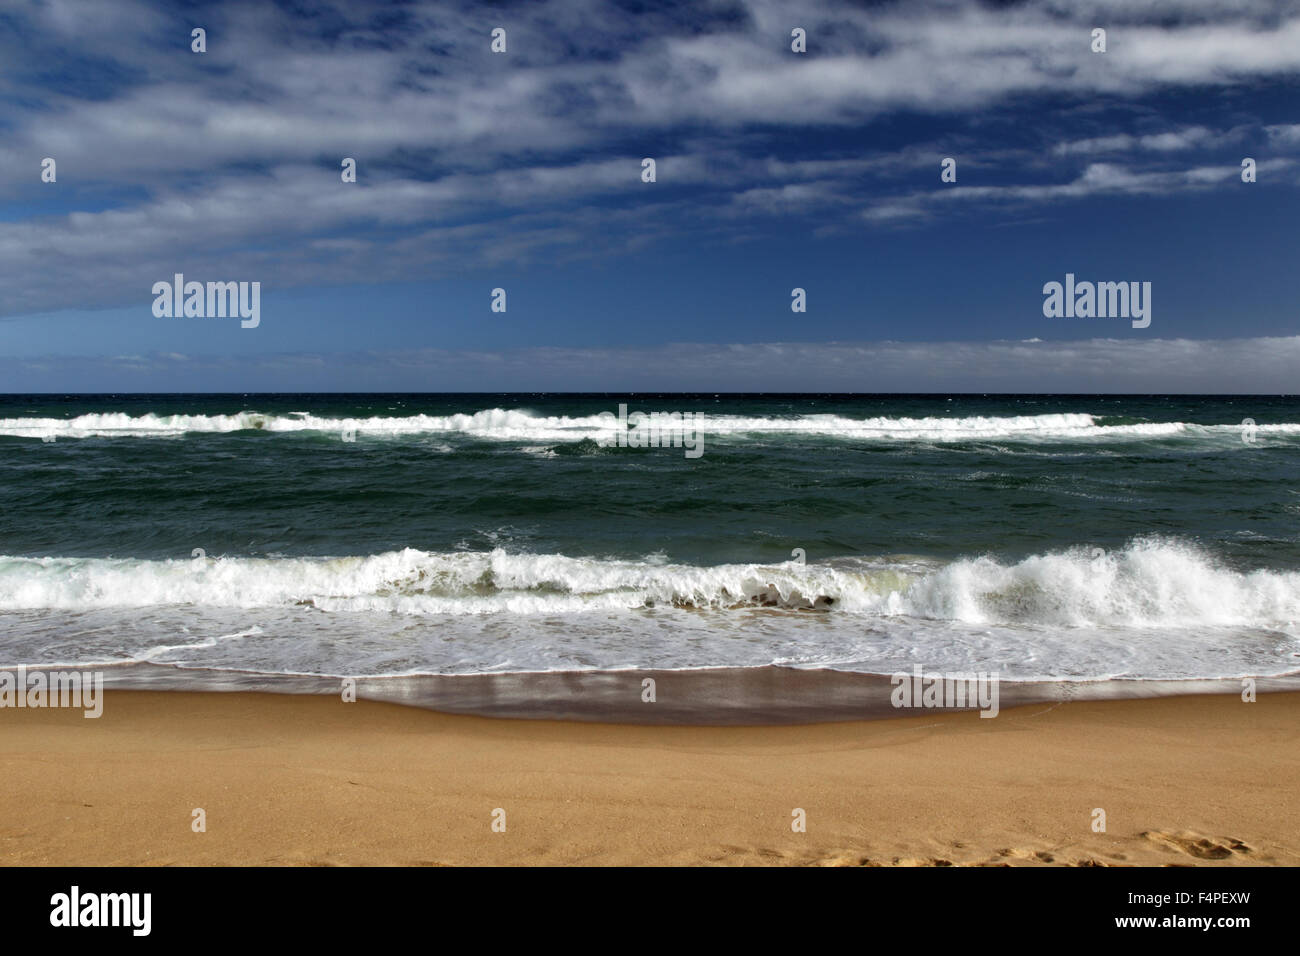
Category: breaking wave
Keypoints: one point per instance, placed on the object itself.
(1152, 583)
(518, 425)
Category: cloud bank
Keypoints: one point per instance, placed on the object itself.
(1132, 366)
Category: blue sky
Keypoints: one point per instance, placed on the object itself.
(775, 170)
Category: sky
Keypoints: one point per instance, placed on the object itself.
(522, 170)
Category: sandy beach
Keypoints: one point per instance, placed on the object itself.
(307, 780)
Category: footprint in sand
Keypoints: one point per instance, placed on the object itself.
(1196, 845)
(1036, 856)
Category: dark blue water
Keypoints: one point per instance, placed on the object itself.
(750, 497)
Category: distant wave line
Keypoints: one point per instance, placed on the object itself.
(497, 424)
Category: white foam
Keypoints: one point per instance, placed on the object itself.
(497, 424)
(1152, 583)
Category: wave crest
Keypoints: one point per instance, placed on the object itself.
(1152, 583)
(519, 425)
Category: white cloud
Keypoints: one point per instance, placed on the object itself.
(229, 159)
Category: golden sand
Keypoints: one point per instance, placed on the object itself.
(313, 780)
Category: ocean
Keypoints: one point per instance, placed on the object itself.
(1046, 538)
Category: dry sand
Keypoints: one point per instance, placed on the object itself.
(313, 780)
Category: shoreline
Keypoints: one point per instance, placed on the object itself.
(309, 780)
(718, 696)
